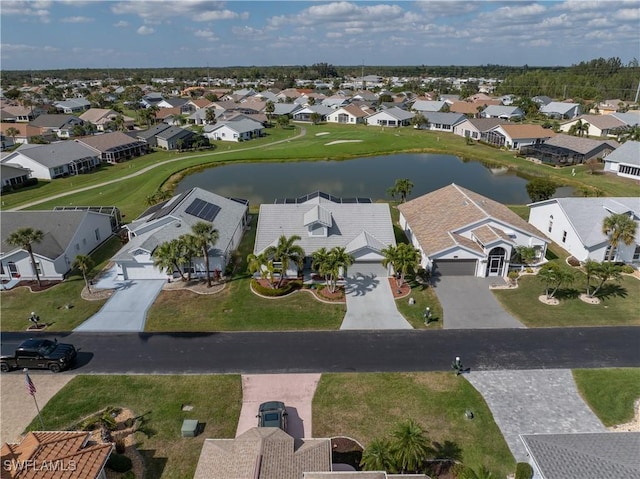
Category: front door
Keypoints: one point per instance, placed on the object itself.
(496, 262)
(495, 266)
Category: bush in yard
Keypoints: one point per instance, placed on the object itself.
(524, 470)
(573, 261)
(627, 269)
(272, 292)
(119, 463)
(129, 475)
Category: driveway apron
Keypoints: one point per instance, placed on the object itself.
(468, 303)
(126, 309)
(370, 304)
(294, 390)
(538, 401)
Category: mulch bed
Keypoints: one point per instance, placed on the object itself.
(400, 292)
(34, 286)
(346, 451)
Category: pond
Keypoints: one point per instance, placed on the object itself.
(368, 177)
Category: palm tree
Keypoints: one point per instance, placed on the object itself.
(285, 251)
(331, 263)
(402, 187)
(269, 109)
(410, 446)
(12, 132)
(419, 120)
(481, 473)
(166, 258)
(377, 456)
(619, 228)
(590, 267)
(210, 116)
(84, 263)
(188, 249)
(25, 238)
(403, 258)
(320, 262)
(554, 276)
(263, 265)
(205, 237)
(605, 272)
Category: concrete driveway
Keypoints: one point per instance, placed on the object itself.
(370, 303)
(126, 309)
(468, 303)
(294, 390)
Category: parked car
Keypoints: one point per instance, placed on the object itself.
(272, 414)
(40, 354)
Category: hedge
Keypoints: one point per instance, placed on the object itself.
(524, 470)
(273, 292)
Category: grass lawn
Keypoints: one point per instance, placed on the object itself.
(50, 304)
(216, 402)
(610, 392)
(618, 307)
(414, 313)
(368, 406)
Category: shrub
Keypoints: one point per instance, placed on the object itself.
(129, 475)
(286, 289)
(119, 463)
(627, 269)
(524, 470)
(573, 261)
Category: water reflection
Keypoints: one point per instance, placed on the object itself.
(370, 177)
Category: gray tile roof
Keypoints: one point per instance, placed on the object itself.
(56, 154)
(502, 111)
(153, 131)
(628, 153)
(427, 105)
(586, 215)
(262, 453)
(609, 455)
(630, 118)
(558, 107)
(58, 227)
(241, 125)
(157, 226)
(348, 222)
(445, 118)
(485, 124)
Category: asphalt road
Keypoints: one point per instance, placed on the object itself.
(348, 351)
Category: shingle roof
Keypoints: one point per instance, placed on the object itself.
(54, 121)
(262, 453)
(444, 118)
(608, 455)
(578, 144)
(55, 154)
(485, 124)
(557, 107)
(108, 141)
(70, 450)
(436, 216)
(527, 131)
(603, 122)
(628, 153)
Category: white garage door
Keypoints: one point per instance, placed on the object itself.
(369, 269)
(142, 272)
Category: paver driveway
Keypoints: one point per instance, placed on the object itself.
(468, 303)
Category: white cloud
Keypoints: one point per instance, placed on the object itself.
(217, 15)
(627, 14)
(207, 34)
(144, 30)
(76, 20)
(22, 48)
(121, 24)
(195, 10)
(542, 42)
(38, 10)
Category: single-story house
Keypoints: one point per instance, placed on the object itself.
(502, 111)
(467, 108)
(19, 114)
(50, 454)
(115, 146)
(438, 121)
(569, 150)
(171, 219)
(72, 105)
(59, 125)
(625, 160)
(560, 110)
(101, 118)
(285, 109)
(362, 227)
(393, 117)
(350, 114)
(241, 129)
(13, 175)
(598, 125)
(305, 113)
(54, 160)
(576, 225)
(173, 137)
(593, 455)
(25, 132)
(477, 128)
(149, 136)
(424, 106)
(462, 233)
(67, 234)
(515, 137)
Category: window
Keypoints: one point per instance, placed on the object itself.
(550, 227)
(97, 233)
(608, 252)
(38, 268)
(636, 253)
(84, 241)
(77, 247)
(564, 236)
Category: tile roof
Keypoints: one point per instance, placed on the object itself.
(628, 153)
(516, 131)
(55, 454)
(435, 217)
(263, 453)
(579, 144)
(603, 122)
(485, 124)
(54, 154)
(108, 141)
(607, 455)
(54, 121)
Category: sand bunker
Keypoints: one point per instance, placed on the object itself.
(322, 133)
(343, 141)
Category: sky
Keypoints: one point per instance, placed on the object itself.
(47, 34)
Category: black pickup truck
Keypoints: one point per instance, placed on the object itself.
(40, 354)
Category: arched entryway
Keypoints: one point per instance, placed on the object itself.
(496, 262)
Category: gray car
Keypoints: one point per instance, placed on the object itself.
(272, 414)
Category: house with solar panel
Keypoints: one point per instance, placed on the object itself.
(168, 220)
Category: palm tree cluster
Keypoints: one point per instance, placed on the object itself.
(331, 264)
(178, 254)
(402, 187)
(579, 128)
(275, 260)
(553, 276)
(602, 272)
(403, 258)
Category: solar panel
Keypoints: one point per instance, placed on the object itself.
(203, 210)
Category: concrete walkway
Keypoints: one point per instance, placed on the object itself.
(468, 303)
(370, 304)
(295, 390)
(126, 309)
(539, 401)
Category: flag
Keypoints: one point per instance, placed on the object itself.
(31, 388)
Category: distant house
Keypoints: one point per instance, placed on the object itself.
(26, 132)
(285, 109)
(13, 176)
(569, 150)
(72, 105)
(624, 161)
(59, 125)
(54, 160)
(598, 125)
(6, 142)
(461, 233)
(576, 225)
(242, 129)
(19, 114)
(175, 137)
(45, 455)
(503, 112)
(67, 234)
(393, 117)
(305, 113)
(101, 118)
(541, 100)
(438, 121)
(349, 114)
(149, 136)
(114, 147)
(423, 106)
(561, 110)
(477, 128)
(515, 137)
(169, 220)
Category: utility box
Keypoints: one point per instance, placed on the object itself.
(189, 428)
